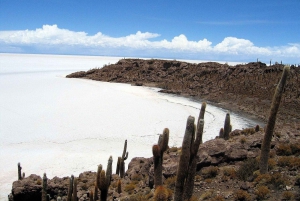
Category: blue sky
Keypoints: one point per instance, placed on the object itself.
(227, 30)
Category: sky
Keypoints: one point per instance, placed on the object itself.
(217, 30)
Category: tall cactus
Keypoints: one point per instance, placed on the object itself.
(97, 182)
(121, 162)
(74, 196)
(266, 144)
(44, 188)
(184, 158)
(105, 179)
(70, 190)
(158, 151)
(184, 186)
(227, 126)
(19, 172)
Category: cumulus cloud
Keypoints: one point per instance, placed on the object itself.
(55, 37)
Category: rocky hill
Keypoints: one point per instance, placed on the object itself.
(247, 88)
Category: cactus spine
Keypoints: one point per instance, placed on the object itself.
(44, 188)
(227, 126)
(158, 151)
(266, 144)
(121, 162)
(188, 160)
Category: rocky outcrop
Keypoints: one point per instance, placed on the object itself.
(248, 87)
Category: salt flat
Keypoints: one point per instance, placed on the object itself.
(63, 126)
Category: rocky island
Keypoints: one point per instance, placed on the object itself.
(226, 168)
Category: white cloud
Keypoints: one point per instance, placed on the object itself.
(55, 37)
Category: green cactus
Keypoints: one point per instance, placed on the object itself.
(95, 197)
(227, 126)
(44, 188)
(121, 162)
(158, 151)
(266, 144)
(184, 186)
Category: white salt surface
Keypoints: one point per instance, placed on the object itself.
(63, 126)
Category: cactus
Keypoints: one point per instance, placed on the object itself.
(221, 133)
(257, 128)
(74, 196)
(227, 126)
(91, 196)
(184, 158)
(19, 172)
(95, 197)
(158, 151)
(44, 188)
(121, 162)
(184, 186)
(266, 144)
(105, 179)
(70, 190)
(119, 188)
(161, 194)
(97, 183)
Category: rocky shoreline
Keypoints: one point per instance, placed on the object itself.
(223, 166)
(244, 88)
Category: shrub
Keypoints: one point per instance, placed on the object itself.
(263, 179)
(284, 150)
(296, 148)
(289, 161)
(217, 198)
(170, 182)
(247, 168)
(241, 195)
(136, 177)
(271, 164)
(209, 172)
(262, 192)
(243, 140)
(230, 172)
(277, 180)
(206, 195)
(129, 188)
(287, 195)
(248, 131)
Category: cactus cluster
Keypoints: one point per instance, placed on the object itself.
(158, 151)
(103, 180)
(184, 185)
(121, 162)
